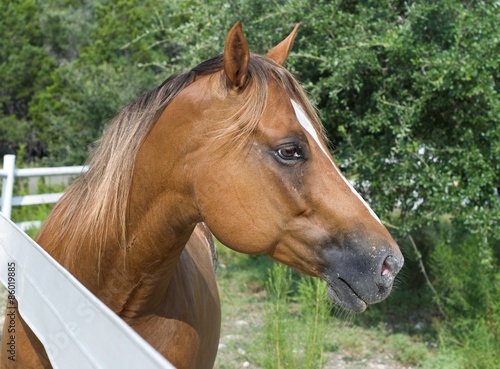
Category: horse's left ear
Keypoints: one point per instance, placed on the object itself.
(236, 56)
(279, 53)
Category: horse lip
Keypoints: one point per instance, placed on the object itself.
(344, 295)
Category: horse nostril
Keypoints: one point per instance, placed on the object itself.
(385, 269)
(388, 266)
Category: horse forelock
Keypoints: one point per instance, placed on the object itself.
(96, 204)
(244, 118)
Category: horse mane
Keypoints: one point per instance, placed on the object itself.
(96, 204)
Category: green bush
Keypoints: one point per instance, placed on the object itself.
(467, 275)
(25, 66)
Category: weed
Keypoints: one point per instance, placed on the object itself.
(295, 322)
(278, 323)
(315, 311)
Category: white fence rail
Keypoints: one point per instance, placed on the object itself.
(9, 173)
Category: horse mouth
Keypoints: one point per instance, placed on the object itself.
(342, 294)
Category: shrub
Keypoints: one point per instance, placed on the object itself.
(466, 272)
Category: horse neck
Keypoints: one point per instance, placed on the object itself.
(132, 278)
(161, 217)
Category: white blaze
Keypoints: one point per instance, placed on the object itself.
(306, 123)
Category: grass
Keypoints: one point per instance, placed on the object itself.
(278, 322)
(275, 327)
(295, 320)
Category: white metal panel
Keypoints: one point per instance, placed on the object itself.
(76, 328)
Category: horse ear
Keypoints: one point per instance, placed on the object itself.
(236, 56)
(279, 53)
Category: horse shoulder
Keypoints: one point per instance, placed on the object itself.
(186, 329)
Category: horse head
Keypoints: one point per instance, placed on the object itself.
(265, 182)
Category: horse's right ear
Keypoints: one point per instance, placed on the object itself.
(236, 56)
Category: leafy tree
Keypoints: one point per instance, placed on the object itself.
(112, 67)
(409, 96)
(24, 66)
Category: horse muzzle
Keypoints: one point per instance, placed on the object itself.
(357, 277)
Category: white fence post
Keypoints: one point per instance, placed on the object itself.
(9, 167)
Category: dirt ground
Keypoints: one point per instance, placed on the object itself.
(239, 329)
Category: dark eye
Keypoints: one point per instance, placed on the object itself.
(290, 152)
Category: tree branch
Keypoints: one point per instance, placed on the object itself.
(424, 272)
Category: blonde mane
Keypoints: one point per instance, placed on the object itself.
(95, 205)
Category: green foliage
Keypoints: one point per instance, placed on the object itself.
(66, 26)
(315, 313)
(406, 351)
(410, 98)
(71, 114)
(468, 278)
(24, 66)
(85, 93)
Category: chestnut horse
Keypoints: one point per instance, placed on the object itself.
(232, 146)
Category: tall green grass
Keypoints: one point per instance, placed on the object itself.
(315, 312)
(278, 323)
(295, 321)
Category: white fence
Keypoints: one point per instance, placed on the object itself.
(9, 173)
(77, 330)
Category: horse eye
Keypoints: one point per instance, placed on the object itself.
(290, 152)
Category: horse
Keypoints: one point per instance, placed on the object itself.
(231, 149)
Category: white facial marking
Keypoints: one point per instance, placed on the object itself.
(307, 125)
